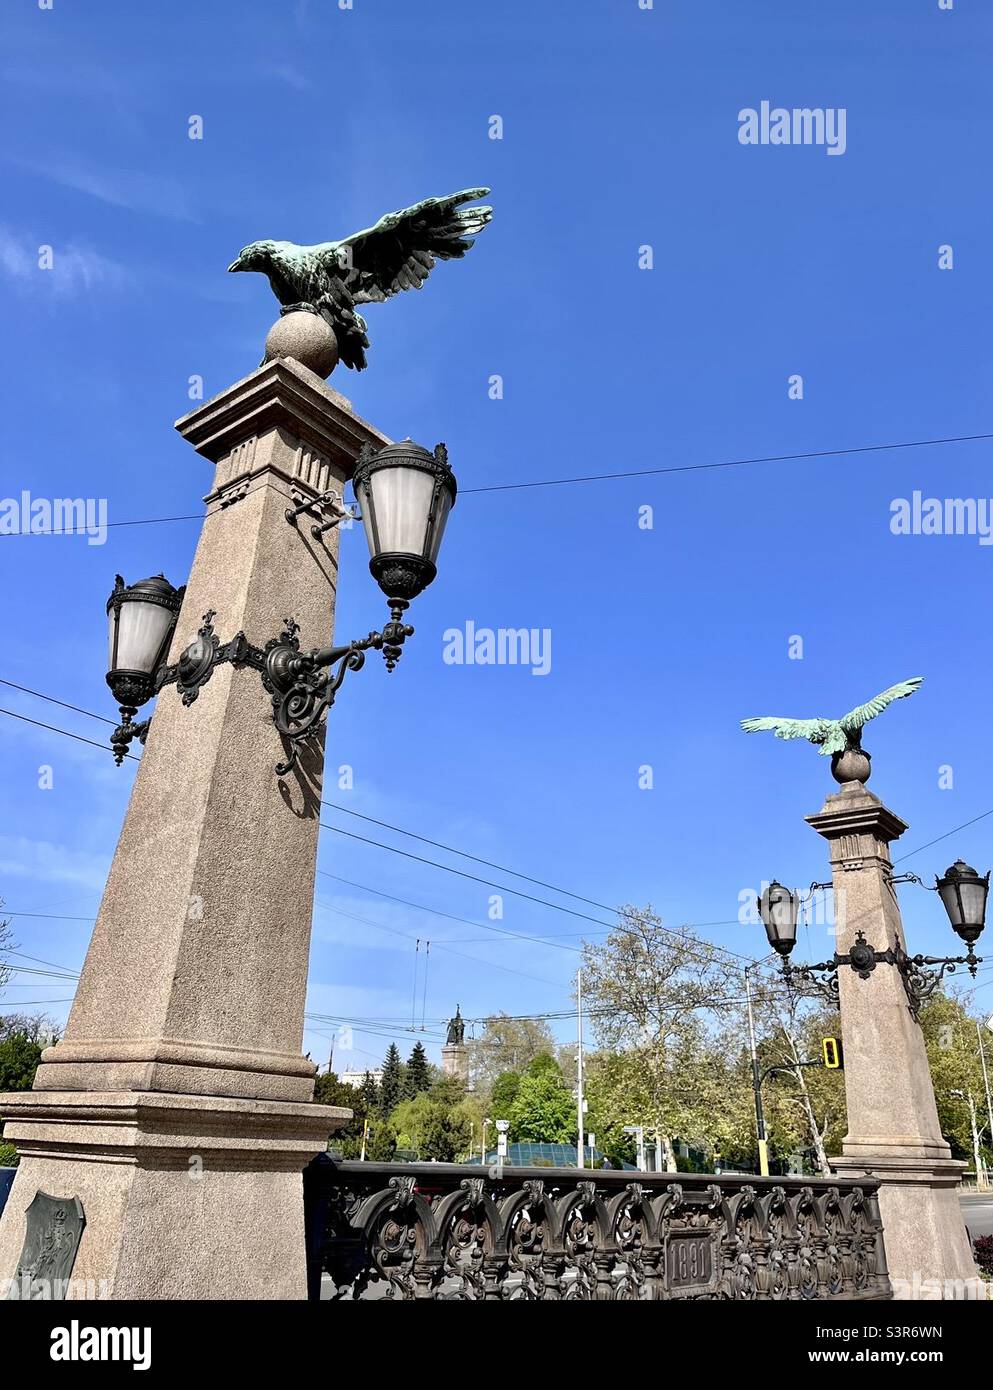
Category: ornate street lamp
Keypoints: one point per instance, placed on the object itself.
(963, 892)
(780, 910)
(406, 493)
(141, 619)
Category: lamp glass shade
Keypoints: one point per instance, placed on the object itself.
(779, 909)
(396, 506)
(140, 619)
(963, 893)
(140, 632)
(405, 493)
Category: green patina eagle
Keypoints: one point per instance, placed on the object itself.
(398, 253)
(834, 735)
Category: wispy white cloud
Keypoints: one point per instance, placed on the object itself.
(136, 190)
(287, 73)
(47, 862)
(69, 269)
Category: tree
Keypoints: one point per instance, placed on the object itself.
(391, 1083)
(507, 1044)
(503, 1094)
(650, 992)
(381, 1141)
(369, 1091)
(6, 944)
(19, 1058)
(330, 1090)
(957, 1072)
(439, 1123)
(544, 1111)
(418, 1076)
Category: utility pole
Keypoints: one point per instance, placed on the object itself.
(986, 1082)
(580, 1145)
(756, 1083)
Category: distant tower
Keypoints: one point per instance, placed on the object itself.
(455, 1054)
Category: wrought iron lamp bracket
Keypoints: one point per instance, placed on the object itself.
(919, 981)
(303, 685)
(330, 501)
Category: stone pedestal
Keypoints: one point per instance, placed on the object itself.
(455, 1061)
(892, 1118)
(178, 1106)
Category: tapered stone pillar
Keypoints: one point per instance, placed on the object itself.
(178, 1107)
(893, 1130)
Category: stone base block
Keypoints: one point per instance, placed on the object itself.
(927, 1247)
(185, 1197)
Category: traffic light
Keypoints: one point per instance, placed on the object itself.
(831, 1051)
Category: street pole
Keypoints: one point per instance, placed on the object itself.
(580, 1146)
(756, 1083)
(986, 1083)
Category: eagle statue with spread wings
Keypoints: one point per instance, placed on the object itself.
(398, 253)
(835, 736)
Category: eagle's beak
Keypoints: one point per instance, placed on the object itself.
(235, 265)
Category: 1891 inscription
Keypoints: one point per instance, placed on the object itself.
(689, 1259)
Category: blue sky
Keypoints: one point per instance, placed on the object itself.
(620, 131)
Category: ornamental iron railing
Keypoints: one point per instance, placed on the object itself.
(454, 1231)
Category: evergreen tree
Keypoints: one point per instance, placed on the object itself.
(418, 1077)
(391, 1086)
(369, 1091)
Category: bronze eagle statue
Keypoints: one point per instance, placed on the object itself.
(834, 735)
(398, 253)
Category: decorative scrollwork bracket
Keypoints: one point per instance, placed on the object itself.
(303, 685)
(919, 981)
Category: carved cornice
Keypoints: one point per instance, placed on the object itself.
(280, 394)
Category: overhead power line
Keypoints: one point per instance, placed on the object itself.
(529, 897)
(727, 463)
(680, 936)
(600, 477)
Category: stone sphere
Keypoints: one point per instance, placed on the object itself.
(305, 337)
(853, 765)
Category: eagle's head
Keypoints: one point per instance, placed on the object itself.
(257, 256)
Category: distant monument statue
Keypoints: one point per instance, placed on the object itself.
(331, 278)
(841, 738)
(455, 1054)
(456, 1029)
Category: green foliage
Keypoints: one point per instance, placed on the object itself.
(391, 1085)
(330, 1090)
(409, 1120)
(438, 1123)
(19, 1058)
(956, 1066)
(381, 1142)
(544, 1111)
(544, 1065)
(507, 1044)
(417, 1077)
(369, 1091)
(9, 1157)
(503, 1094)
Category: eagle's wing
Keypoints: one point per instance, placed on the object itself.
(399, 252)
(863, 713)
(816, 730)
